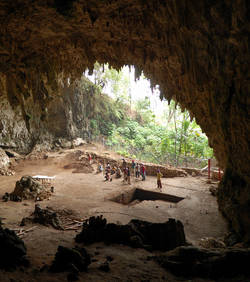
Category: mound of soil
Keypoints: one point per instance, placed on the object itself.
(76, 155)
(43, 216)
(29, 188)
(78, 161)
(80, 167)
(51, 217)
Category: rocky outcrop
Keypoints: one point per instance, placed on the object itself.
(5, 164)
(4, 160)
(137, 233)
(234, 202)
(200, 262)
(12, 250)
(198, 52)
(65, 120)
(74, 260)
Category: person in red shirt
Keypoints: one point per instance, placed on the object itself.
(143, 172)
(89, 158)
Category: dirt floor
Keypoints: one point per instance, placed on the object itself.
(86, 194)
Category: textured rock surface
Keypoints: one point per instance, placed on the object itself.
(137, 233)
(193, 261)
(12, 250)
(29, 188)
(4, 159)
(198, 52)
(74, 260)
(65, 120)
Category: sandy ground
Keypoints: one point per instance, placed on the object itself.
(87, 195)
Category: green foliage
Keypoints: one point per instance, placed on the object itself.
(134, 132)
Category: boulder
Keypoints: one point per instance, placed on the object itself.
(74, 260)
(12, 250)
(138, 233)
(4, 159)
(197, 262)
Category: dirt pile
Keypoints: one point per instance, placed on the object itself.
(59, 219)
(29, 188)
(80, 167)
(78, 161)
(12, 250)
(137, 233)
(192, 261)
(45, 217)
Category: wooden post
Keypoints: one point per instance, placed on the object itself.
(209, 168)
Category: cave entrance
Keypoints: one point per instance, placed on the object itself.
(140, 195)
(133, 119)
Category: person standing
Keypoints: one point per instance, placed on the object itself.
(118, 173)
(90, 158)
(99, 168)
(143, 172)
(133, 167)
(108, 167)
(124, 167)
(159, 176)
(128, 176)
(137, 170)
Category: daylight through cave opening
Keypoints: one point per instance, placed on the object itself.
(196, 52)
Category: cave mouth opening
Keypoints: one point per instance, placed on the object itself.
(138, 195)
(182, 141)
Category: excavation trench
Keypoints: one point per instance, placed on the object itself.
(128, 197)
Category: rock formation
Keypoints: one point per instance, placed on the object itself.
(215, 263)
(65, 120)
(198, 52)
(12, 250)
(137, 233)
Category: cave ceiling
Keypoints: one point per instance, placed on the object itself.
(197, 51)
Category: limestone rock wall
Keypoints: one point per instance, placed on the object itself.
(24, 126)
(197, 51)
(4, 160)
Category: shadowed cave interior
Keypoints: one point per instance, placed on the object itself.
(197, 52)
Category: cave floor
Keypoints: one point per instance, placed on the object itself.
(87, 195)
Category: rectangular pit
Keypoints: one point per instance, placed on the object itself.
(128, 197)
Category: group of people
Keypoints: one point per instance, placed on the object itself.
(109, 171)
(137, 169)
(140, 170)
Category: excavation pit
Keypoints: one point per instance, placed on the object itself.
(135, 195)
